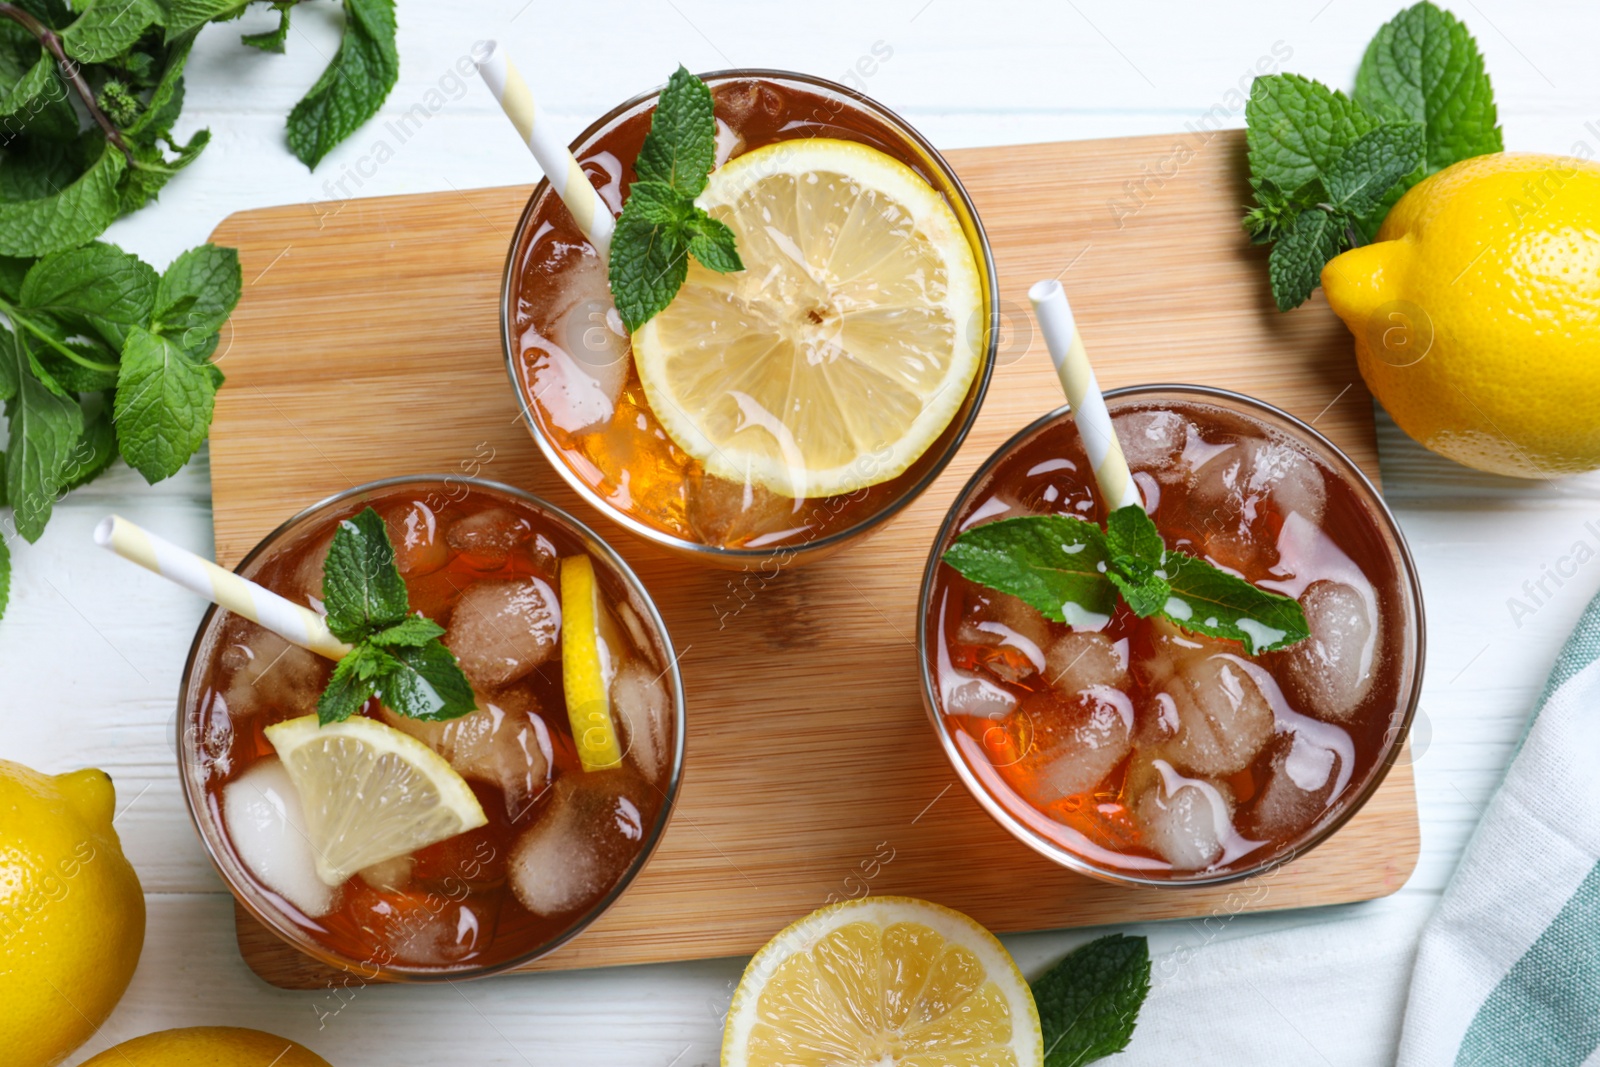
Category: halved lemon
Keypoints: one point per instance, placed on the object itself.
(883, 982)
(370, 793)
(846, 345)
(589, 646)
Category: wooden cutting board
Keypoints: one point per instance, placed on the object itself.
(367, 345)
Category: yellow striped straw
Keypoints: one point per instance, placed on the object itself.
(1061, 337)
(566, 176)
(290, 621)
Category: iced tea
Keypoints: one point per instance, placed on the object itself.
(571, 363)
(561, 840)
(1146, 752)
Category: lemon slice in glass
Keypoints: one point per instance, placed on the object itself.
(370, 793)
(883, 981)
(846, 345)
(589, 645)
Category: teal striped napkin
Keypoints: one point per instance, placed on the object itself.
(1508, 968)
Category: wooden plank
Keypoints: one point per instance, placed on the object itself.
(367, 345)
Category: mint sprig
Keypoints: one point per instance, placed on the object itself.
(1326, 167)
(1089, 1002)
(661, 227)
(1072, 571)
(396, 655)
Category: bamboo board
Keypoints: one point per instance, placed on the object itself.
(367, 345)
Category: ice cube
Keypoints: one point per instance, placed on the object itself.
(1299, 783)
(487, 537)
(391, 875)
(265, 672)
(581, 366)
(1331, 672)
(1081, 660)
(500, 631)
(975, 695)
(437, 931)
(267, 828)
(586, 837)
(644, 714)
(1186, 821)
(724, 512)
(1074, 743)
(1221, 715)
(504, 743)
(414, 531)
(303, 583)
(1010, 634)
(1231, 492)
(1152, 440)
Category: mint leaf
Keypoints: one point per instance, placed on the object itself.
(186, 15)
(411, 632)
(71, 217)
(163, 404)
(660, 225)
(353, 86)
(1295, 266)
(43, 429)
(1089, 1002)
(1298, 128)
(5, 575)
(649, 262)
(166, 99)
(1131, 532)
(155, 169)
(361, 585)
(94, 453)
(1372, 165)
(272, 40)
(1210, 601)
(713, 244)
(1055, 563)
(681, 146)
(354, 682)
(108, 29)
(197, 293)
(427, 684)
(35, 81)
(98, 285)
(1423, 65)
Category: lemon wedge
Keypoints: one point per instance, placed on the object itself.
(846, 345)
(883, 981)
(588, 664)
(370, 793)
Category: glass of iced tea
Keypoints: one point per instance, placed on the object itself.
(855, 345)
(558, 840)
(1135, 751)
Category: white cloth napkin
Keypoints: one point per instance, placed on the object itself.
(1508, 970)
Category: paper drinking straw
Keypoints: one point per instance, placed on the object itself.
(288, 620)
(1083, 394)
(555, 158)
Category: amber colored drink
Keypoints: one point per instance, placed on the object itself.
(560, 842)
(569, 356)
(1135, 750)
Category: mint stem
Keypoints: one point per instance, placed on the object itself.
(50, 41)
(26, 323)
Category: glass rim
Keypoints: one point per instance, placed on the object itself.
(288, 932)
(977, 391)
(1395, 736)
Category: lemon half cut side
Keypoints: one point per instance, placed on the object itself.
(848, 343)
(883, 982)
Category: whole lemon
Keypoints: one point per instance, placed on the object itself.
(1476, 313)
(71, 912)
(208, 1046)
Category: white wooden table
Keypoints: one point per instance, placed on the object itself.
(91, 650)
